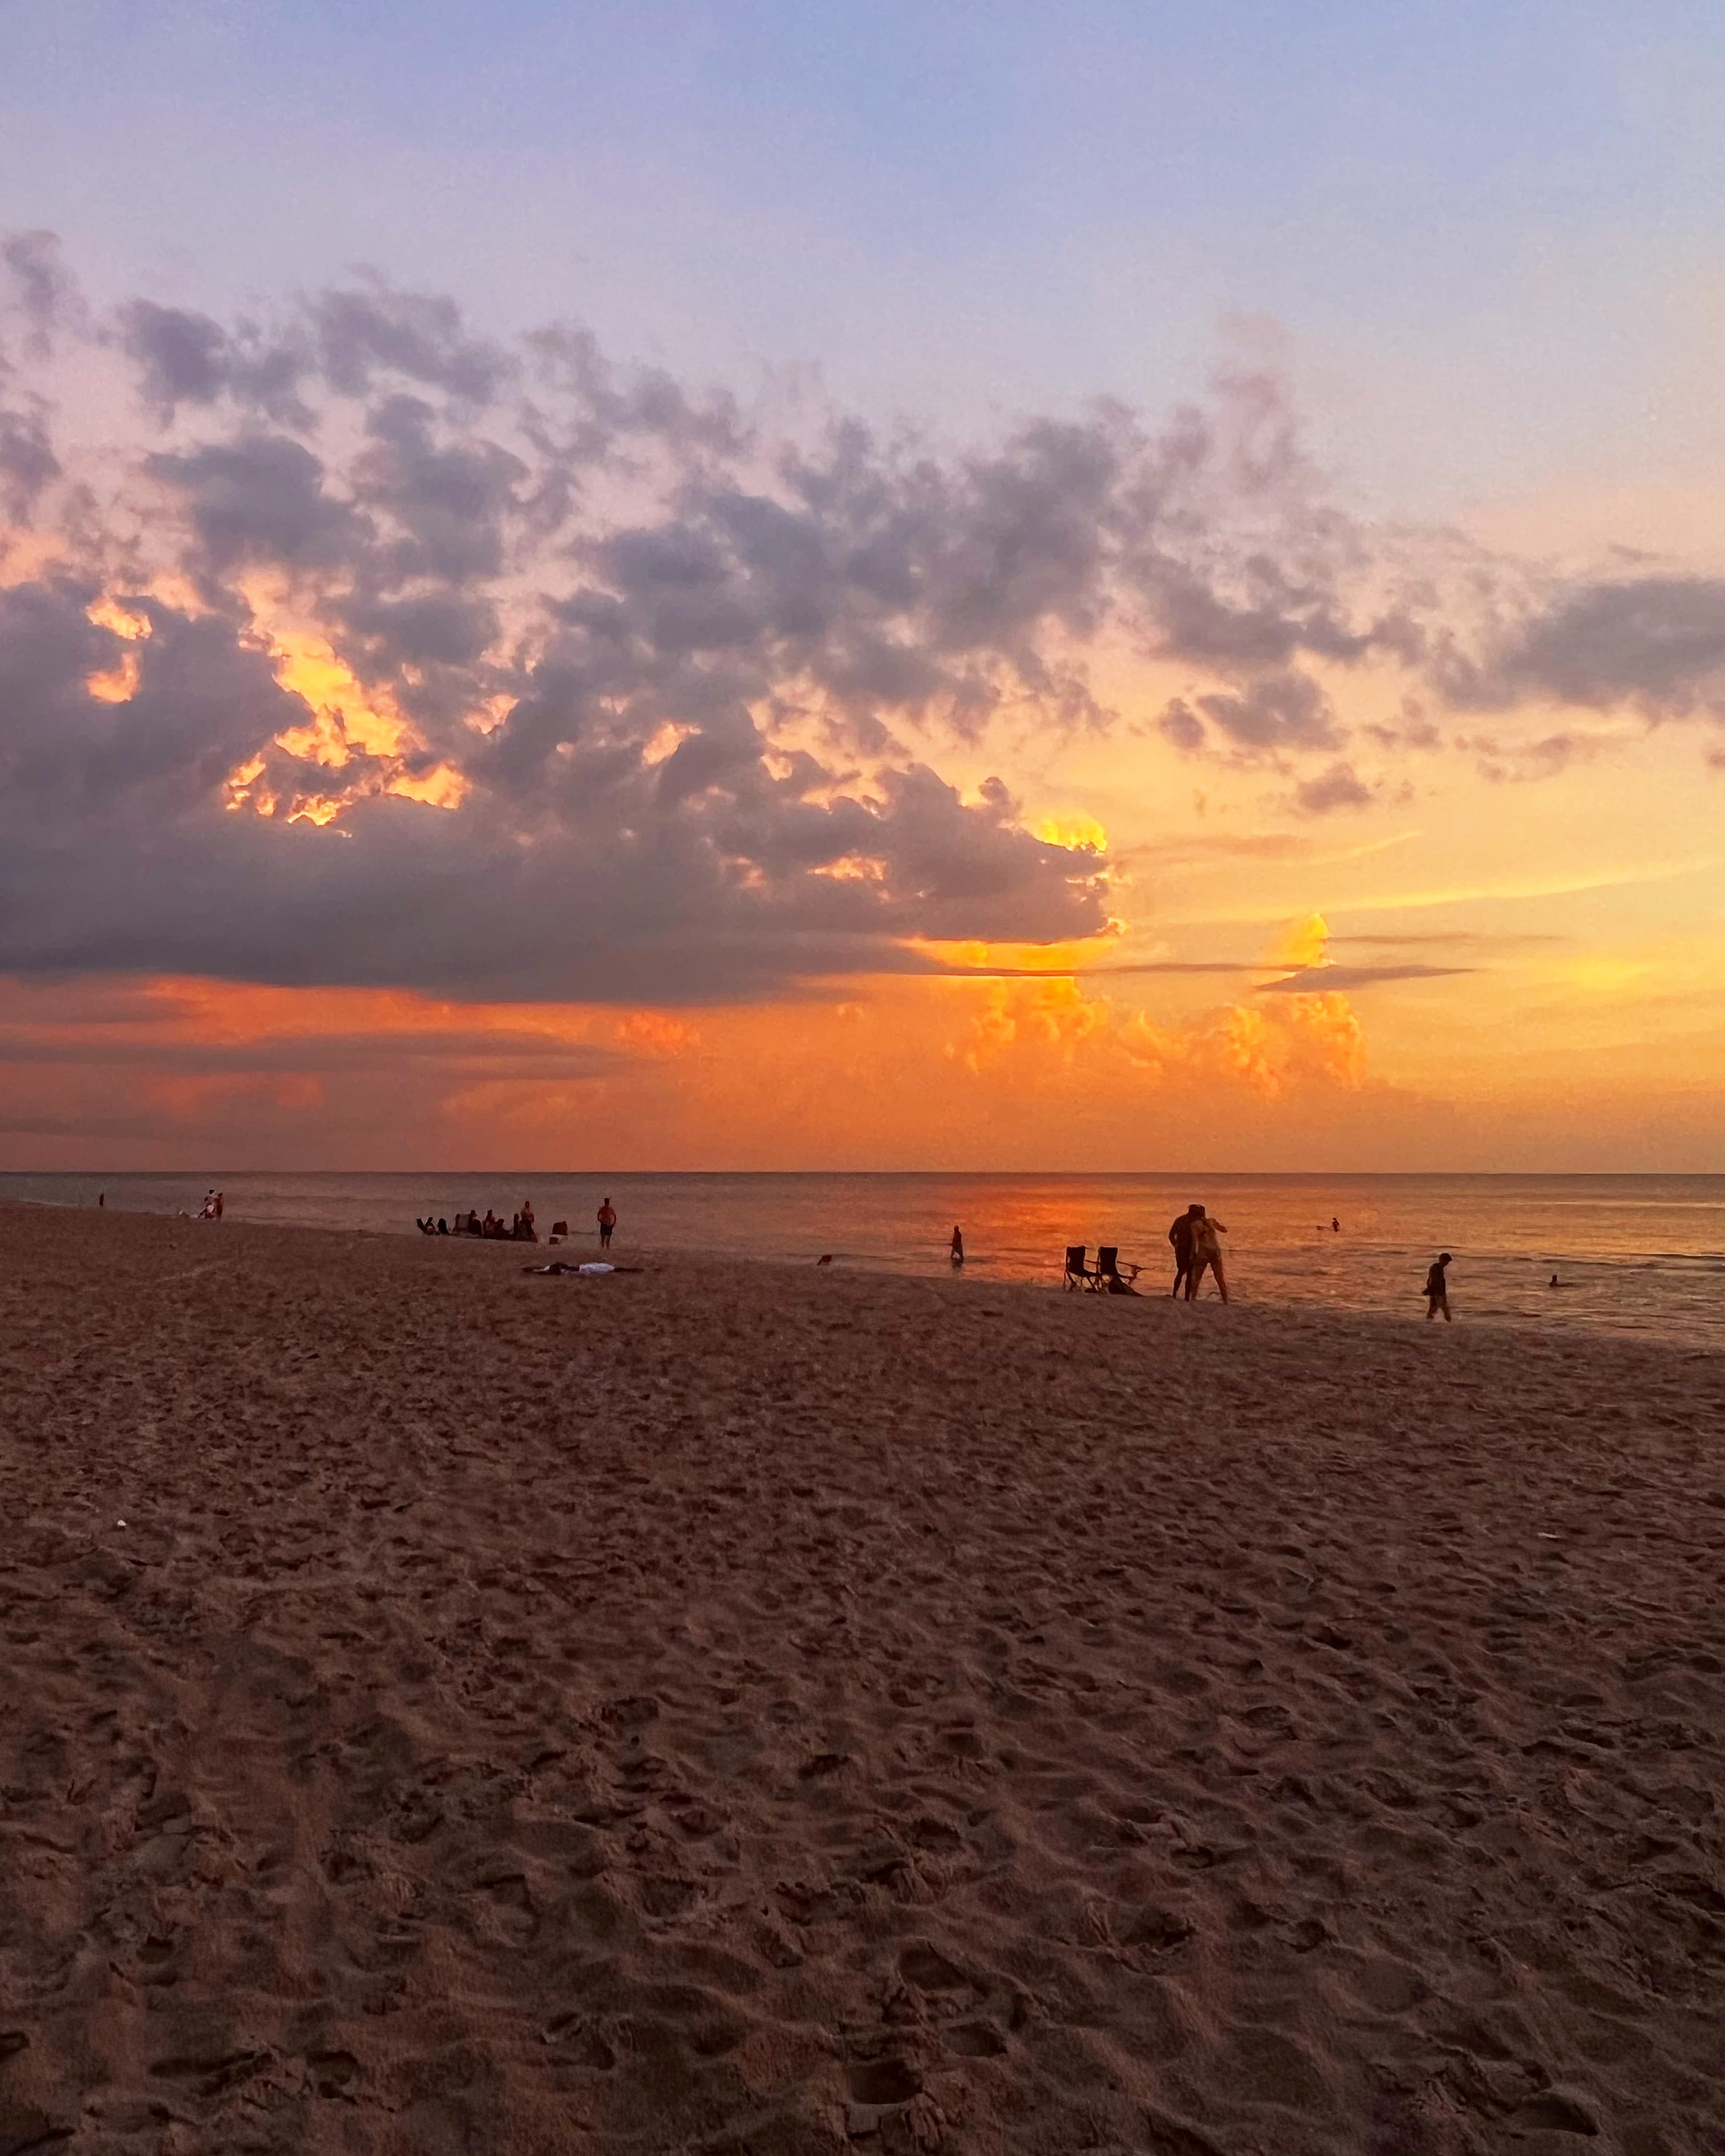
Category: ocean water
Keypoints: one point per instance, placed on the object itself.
(1642, 1255)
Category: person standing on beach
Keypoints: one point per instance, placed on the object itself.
(1437, 1290)
(1206, 1251)
(607, 1221)
(1180, 1235)
(957, 1247)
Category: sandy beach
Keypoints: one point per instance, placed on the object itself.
(746, 1709)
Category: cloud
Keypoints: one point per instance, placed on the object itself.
(1261, 845)
(389, 653)
(459, 1054)
(1338, 788)
(1327, 980)
(259, 501)
(1181, 725)
(119, 849)
(39, 295)
(28, 464)
(1126, 966)
(1454, 940)
(1276, 712)
(1655, 644)
(1313, 1042)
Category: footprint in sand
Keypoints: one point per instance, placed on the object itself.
(974, 2040)
(881, 2081)
(506, 1909)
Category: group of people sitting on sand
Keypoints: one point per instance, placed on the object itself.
(520, 1230)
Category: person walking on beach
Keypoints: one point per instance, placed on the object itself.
(1180, 1235)
(607, 1221)
(957, 1247)
(1437, 1290)
(1206, 1252)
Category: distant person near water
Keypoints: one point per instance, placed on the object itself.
(957, 1247)
(1437, 1290)
(1180, 1235)
(1206, 1253)
(1335, 1227)
(607, 1221)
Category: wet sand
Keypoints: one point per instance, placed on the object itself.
(741, 1709)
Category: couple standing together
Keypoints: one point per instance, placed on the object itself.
(1194, 1236)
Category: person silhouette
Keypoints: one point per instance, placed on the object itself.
(1206, 1252)
(957, 1247)
(1180, 1235)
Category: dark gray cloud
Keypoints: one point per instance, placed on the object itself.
(1340, 786)
(691, 687)
(119, 851)
(39, 295)
(28, 464)
(365, 334)
(1181, 725)
(1655, 644)
(1319, 980)
(1659, 641)
(257, 502)
(1271, 715)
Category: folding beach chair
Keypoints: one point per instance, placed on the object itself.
(1078, 1274)
(1109, 1267)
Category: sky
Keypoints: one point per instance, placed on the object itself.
(670, 585)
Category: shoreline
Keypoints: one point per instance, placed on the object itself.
(935, 1276)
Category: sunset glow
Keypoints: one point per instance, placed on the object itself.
(1182, 703)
